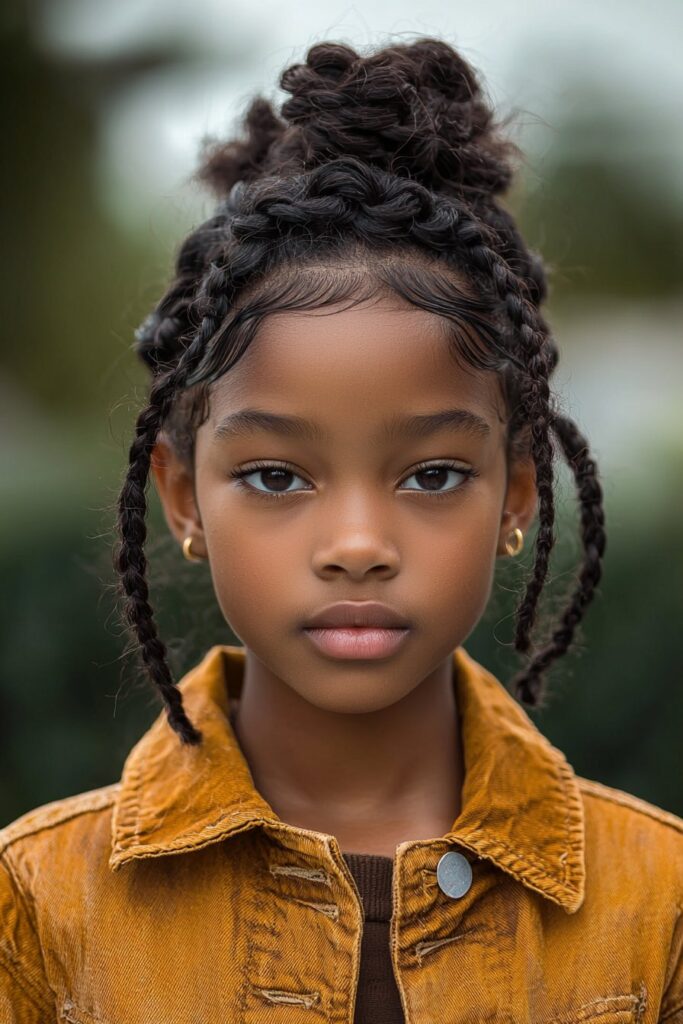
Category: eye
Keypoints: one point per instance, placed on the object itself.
(279, 473)
(435, 474)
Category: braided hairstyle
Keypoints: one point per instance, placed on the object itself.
(380, 171)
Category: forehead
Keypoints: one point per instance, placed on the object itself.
(358, 364)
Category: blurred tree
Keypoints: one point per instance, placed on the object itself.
(603, 213)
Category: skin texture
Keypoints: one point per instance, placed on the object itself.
(367, 751)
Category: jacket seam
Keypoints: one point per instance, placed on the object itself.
(626, 801)
(670, 1013)
(68, 816)
(12, 968)
(137, 794)
(572, 801)
(182, 844)
(540, 868)
(69, 1006)
(30, 916)
(129, 803)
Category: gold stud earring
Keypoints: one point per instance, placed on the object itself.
(515, 548)
(187, 550)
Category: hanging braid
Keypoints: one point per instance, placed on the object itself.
(575, 448)
(129, 557)
(288, 199)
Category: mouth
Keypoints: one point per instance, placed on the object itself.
(360, 642)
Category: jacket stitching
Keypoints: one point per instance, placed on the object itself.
(642, 1002)
(136, 803)
(606, 1006)
(667, 1012)
(8, 841)
(490, 850)
(275, 995)
(328, 909)
(68, 1005)
(30, 915)
(243, 993)
(190, 841)
(422, 949)
(593, 788)
(335, 944)
(672, 1012)
(16, 972)
(564, 857)
(139, 835)
(185, 839)
(356, 957)
(311, 874)
(393, 941)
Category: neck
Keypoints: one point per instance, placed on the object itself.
(372, 780)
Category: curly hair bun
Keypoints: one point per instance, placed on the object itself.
(415, 109)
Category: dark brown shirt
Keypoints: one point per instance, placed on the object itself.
(377, 999)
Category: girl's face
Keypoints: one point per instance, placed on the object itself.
(346, 510)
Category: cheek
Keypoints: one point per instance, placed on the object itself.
(250, 565)
(457, 562)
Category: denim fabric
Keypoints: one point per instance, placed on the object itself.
(177, 895)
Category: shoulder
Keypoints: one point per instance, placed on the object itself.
(55, 827)
(626, 835)
(47, 856)
(607, 802)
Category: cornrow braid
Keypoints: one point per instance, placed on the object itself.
(158, 337)
(276, 220)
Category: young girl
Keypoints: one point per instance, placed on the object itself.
(347, 818)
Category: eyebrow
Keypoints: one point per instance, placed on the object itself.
(248, 421)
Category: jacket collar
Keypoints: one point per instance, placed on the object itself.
(521, 804)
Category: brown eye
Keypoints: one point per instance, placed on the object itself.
(277, 478)
(433, 476)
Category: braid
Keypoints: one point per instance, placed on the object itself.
(158, 337)
(211, 302)
(535, 396)
(129, 557)
(575, 449)
(131, 564)
(286, 197)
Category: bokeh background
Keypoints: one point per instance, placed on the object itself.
(105, 107)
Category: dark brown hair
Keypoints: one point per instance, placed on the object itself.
(381, 172)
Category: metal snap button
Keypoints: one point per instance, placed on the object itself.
(454, 874)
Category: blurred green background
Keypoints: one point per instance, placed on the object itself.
(106, 106)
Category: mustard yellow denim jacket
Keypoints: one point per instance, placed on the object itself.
(177, 895)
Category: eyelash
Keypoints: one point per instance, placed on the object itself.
(238, 475)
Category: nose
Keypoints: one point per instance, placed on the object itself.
(357, 549)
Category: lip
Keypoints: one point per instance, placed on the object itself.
(357, 642)
(356, 614)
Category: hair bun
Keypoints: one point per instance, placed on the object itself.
(415, 109)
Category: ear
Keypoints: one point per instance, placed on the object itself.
(521, 500)
(175, 485)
